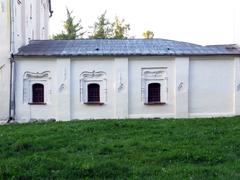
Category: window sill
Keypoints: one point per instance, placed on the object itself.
(37, 103)
(94, 103)
(155, 103)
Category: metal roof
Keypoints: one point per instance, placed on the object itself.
(124, 47)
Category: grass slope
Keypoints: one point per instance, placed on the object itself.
(129, 149)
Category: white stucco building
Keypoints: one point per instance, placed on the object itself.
(20, 22)
(134, 78)
(109, 79)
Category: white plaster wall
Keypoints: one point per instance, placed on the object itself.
(137, 109)
(26, 112)
(43, 20)
(181, 86)
(4, 58)
(27, 26)
(121, 87)
(24, 30)
(83, 111)
(237, 86)
(211, 86)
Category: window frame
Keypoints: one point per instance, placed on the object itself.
(153, 95)
(93, 93)
(154, 75)
(30, 78)
(33, 94)
(93, 77)
(90, 102)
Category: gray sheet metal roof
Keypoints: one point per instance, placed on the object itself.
(126, 47)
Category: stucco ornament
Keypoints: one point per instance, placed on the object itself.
(37, 75)
(180, 86)
(238, 87)
(63, 85)
(89, 77)
(1, 67)
(1, 71)
(93, 74)
(154, 75)
(30, 78)
(120, 83)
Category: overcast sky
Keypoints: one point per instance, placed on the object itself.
(197, 21)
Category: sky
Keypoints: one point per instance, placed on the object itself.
(197, 21)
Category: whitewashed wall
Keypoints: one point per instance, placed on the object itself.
(211, 91)
(25, 27)
(137, 108)
(24, 111)
(79, 110)
(196, 87)
(4, 58)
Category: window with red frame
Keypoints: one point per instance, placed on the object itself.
(93, 93)
(154, 92)
(38, 93)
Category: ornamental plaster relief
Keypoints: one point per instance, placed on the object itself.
(89, 77)
(154, 75)
(30, 78)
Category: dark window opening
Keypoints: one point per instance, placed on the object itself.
(93, 93)
(154, 92)
(38, 93)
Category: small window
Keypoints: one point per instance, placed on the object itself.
(154, 93)
(38, 93)
(93, 93)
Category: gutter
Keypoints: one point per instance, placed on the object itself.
(50, 8)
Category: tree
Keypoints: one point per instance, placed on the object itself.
(148, 34)
(71, 30)
(120, 29)
(102, 28)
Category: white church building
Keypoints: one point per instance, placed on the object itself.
(117, 79)
(20, 22)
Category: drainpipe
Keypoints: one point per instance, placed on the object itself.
(50, 8)
(12, 65)
(12, 90)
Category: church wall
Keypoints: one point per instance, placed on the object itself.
(137, 107)
(26, 25)
(79, 110)
(39, 71)
(212, 86)
(190, 87)
(4, 58)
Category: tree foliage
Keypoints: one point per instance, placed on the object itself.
(71, 30)
(148, 34)
(120, 29)
(102, 28)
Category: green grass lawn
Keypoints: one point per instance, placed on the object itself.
(127, 149)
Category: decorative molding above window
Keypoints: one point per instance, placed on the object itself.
(93, 77)
(154, 75)
(31, 78)
(37, 75)
(86, 75)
